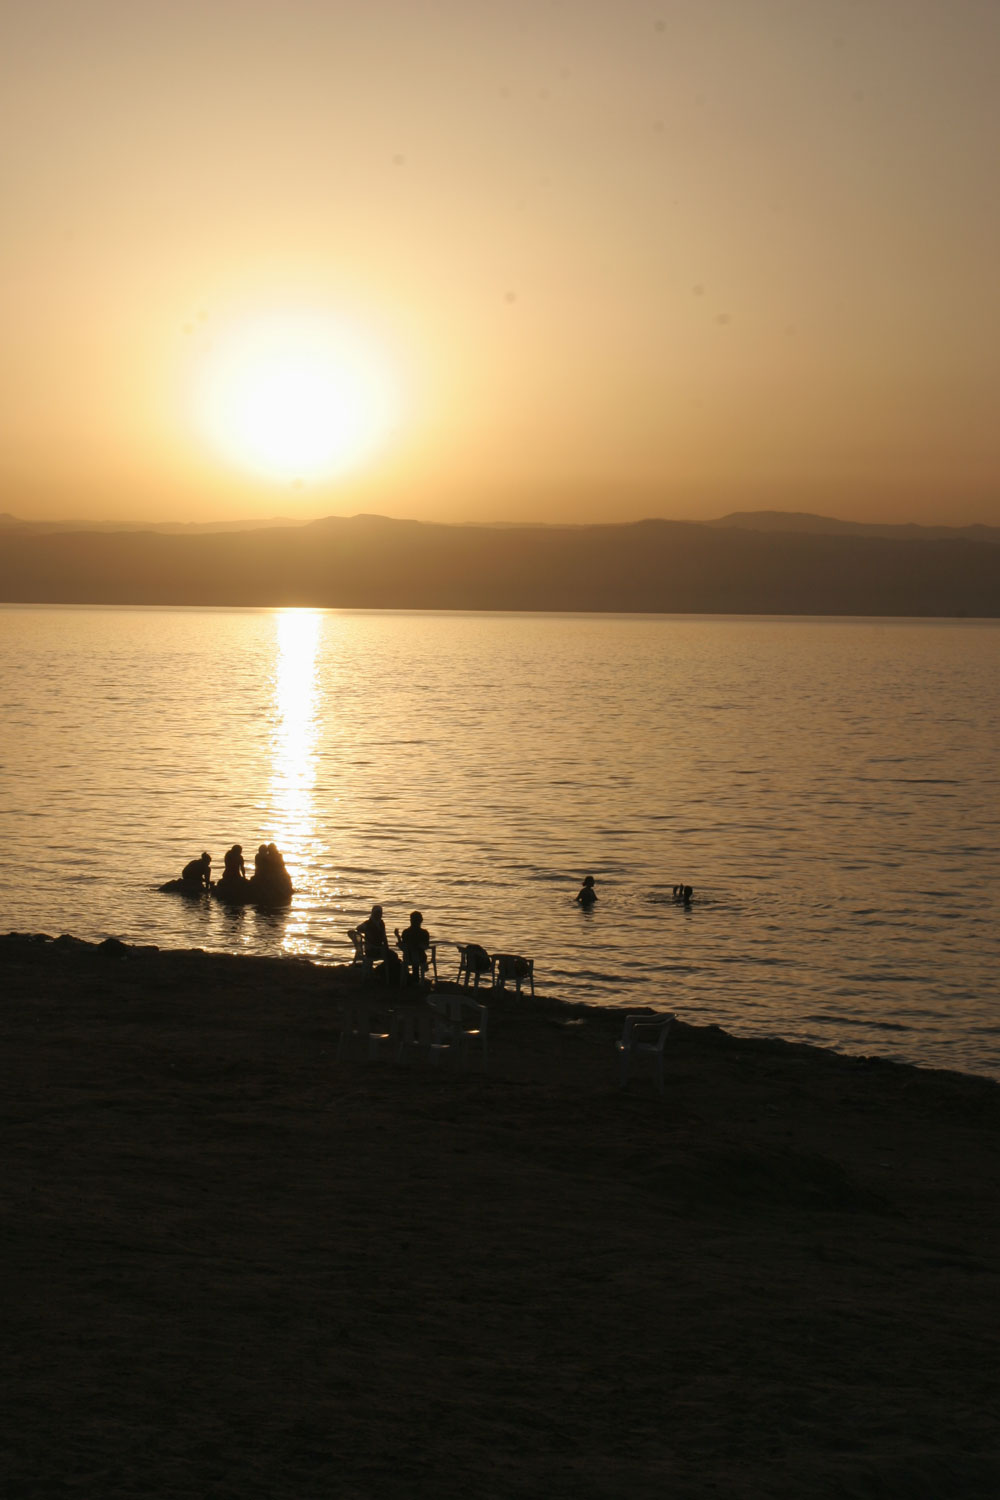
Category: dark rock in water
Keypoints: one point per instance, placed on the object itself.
(271, 890)
(235, 890)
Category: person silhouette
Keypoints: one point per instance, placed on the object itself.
(233, 884)
(586, 895)
(373, 928)
(415, 942)
(271, 884)
(377, 942)
(197, 873)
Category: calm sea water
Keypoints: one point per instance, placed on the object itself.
(828, 787)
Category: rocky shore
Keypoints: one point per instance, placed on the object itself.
(238, 1267)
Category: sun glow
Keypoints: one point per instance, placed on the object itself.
(297, 397)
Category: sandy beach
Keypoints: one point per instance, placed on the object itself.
(237, 1266)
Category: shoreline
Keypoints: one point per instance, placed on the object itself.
(341, 969)
(241, 1267)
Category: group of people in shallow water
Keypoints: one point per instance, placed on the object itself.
(270, 884)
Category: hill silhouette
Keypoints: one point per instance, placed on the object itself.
(373, 562)
(800, 521)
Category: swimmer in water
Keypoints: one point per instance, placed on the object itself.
(586, 895)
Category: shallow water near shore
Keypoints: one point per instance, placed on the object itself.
(828, 787)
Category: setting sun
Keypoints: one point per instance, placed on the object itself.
(296, 397)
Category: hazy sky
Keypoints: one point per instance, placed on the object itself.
(574, 258)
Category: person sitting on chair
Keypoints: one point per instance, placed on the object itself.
(415, 942)
(376, 939)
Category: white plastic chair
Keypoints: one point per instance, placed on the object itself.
(474, 1034)
(644, 1036)
(363, 957)
(463, 1023)
(360, 1022)
(422, 1032)
(513, 966)
(476, 964)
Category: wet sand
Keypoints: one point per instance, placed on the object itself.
(237, 1267)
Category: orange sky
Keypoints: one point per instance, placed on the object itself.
(613, 259)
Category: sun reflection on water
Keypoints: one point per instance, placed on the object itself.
(294, 757)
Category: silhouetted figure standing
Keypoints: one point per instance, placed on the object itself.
(586, 895)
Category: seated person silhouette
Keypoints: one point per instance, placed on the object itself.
(415, 942)
(197, 873)
(234, 871)
(586, 895)
(376, 940)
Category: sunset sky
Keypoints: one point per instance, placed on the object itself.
(465, 260)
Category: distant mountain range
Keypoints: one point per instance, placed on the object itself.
(794, 520)
(747, 520)
(749, 563)
(181, 528)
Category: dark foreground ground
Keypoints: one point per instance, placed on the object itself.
(235, 1267)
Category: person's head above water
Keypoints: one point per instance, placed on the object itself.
(588, 880)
